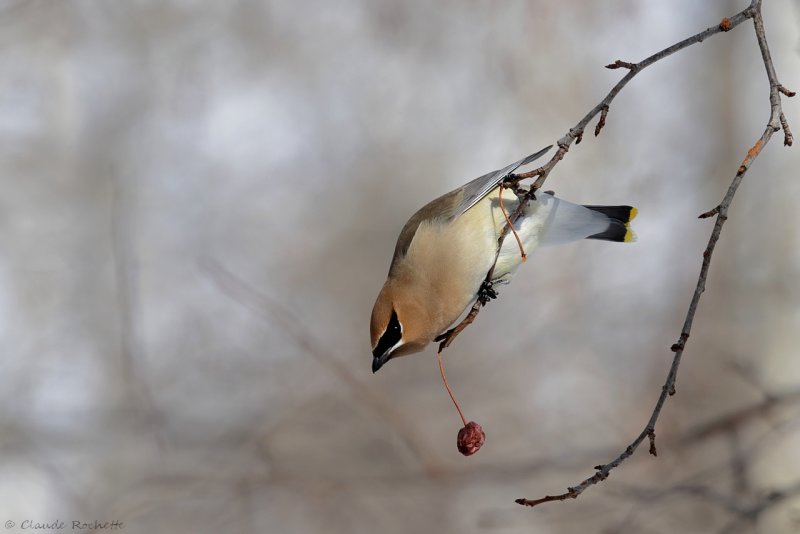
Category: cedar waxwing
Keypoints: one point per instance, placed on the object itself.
(446, 249)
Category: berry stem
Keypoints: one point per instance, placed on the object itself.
(447, 387)
(511, 226)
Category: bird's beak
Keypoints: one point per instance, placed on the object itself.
(379, 359)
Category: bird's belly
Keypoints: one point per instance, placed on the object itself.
(464, 250)
(528, 227)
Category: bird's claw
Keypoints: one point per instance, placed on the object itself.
(443, 336)
(486, 292)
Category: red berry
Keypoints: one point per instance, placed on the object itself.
(470, 439)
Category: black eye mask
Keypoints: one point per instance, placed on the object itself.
(390, 337)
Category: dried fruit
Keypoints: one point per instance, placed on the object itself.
(470, 438)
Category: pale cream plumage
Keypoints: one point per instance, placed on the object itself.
(445, 250)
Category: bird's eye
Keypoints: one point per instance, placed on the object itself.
(394, 323)
(392, 335)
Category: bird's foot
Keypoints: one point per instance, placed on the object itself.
(486, 292)
(443, 336)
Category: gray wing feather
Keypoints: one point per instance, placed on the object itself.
(478, 188)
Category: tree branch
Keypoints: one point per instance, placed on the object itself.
(775, 123)
(575, 134)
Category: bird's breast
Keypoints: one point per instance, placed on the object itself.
(448, 259)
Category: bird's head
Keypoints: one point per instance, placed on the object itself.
(400, 323)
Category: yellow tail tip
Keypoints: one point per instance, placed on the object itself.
(630, 237)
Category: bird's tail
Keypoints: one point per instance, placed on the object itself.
(619, 223)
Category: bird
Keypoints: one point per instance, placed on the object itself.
(445, 250)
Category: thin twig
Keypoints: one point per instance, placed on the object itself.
(787, 133)
(575, 134)
(619, 64)
(721, 211)
(601, 122)
(451, 334)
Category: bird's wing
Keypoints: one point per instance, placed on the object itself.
(450, 205)
(474, 191)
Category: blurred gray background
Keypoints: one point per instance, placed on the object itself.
(199, 205)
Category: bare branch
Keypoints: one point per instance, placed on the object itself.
(619, 64)
(652, 437)
(721, 212)
(776, 121)
(601, 122)
(448, 337)
(575, 134)
(787, 133)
